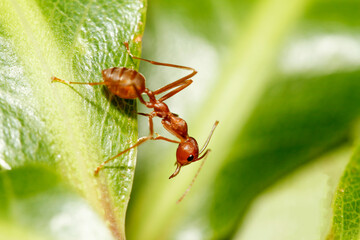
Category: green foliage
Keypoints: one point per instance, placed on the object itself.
(70, 129)
(35, 201)
(285, 89)
(280, 76)
(346, 223)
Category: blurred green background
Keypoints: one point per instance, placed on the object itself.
(282, 77)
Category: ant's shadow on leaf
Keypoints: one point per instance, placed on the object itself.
(125, 106)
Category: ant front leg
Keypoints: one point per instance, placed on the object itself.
(158, 136)
(138, 142)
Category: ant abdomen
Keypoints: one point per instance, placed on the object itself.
(122, 81)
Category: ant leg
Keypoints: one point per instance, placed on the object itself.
(55, 79)
(159, 137)
(141, 99)
(181, 81)
(138, 142)
(171, 85)
(143, 114)
(159, 63)
(175, 91)
(146, 114)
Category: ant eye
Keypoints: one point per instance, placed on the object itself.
(190, 158)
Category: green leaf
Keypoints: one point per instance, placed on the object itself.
(312, 122)
(346, 223)
(70, 128)
(11, 232)
(299, 205)
(35, 200)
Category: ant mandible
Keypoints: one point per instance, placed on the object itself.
(130, 84)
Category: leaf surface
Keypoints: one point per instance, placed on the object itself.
(70, 128)
(35, 202)
(346, 224)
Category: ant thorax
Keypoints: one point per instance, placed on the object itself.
(161, 107)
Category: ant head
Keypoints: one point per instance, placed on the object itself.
(187, 152)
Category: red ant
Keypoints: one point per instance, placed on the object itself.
(130, 84)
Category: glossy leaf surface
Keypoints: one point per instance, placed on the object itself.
(72, 129)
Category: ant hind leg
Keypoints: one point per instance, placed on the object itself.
(55, 79)
(173, 84)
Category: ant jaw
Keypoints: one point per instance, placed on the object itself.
(176, 171)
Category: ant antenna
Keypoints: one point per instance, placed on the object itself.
(194, 178)
(208, 139)
(202, 163)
